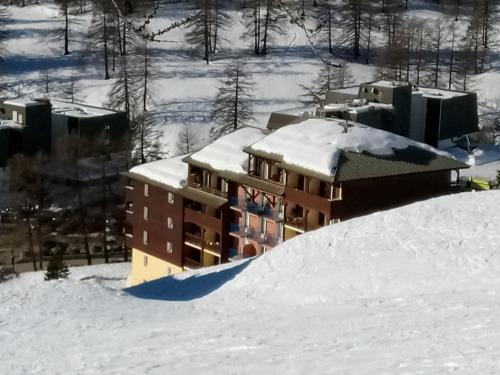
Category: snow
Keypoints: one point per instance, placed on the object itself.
(484, 160)
(21, 102)
(409, 291)
(171, 172)
(437, 93)
(226, 153)
(78, 110)
(10, 124)
(315, 144)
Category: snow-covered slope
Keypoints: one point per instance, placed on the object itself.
(409, 291)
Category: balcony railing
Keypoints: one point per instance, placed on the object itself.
(255, 208)
(196, 242)
(193, 240)
(191, 264)
(207, 189)
(301, 224)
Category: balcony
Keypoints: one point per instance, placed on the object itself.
(127, 230)
(312, 201)
(195, 182)
(191, 264)
(196, 242)
(201, 219)
(255, 208)
(299, 224)
(193, 241)
(129, 208)
(129, 187)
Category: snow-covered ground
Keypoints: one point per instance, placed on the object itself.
(414, 290)
(185, 85)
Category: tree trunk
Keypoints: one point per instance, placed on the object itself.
(236, 98)
(330, 45)
(39, 243)
(104, 211)
(30, 235)
(66, 30)
(105, 36)
(266, 28)
(145, 92)
(452, 53)
(207, 36)
(119, 34)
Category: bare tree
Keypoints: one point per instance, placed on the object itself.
(436, 39)
(101, 31)
(187, 141)
(262, 18)
(72, 150)
(233, 104)
(28, 176)
(331, 76)
(64, 9)
(204, 27)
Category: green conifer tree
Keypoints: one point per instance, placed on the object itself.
(56, 269)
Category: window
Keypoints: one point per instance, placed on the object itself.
(145, 237)
(146, 190)
(146, 213)
(171, 198)
(20, 118)
(145, 260)
(170, 247)
(170, 223)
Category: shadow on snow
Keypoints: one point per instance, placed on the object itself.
(196, 286)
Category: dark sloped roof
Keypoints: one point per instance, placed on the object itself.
(357, 166)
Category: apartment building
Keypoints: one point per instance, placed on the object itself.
(433, 116)
(252, 189)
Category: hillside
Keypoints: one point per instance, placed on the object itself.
(184, 85)
(407, 291)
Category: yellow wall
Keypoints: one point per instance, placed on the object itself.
(155, 268)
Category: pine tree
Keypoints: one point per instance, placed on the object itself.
(28, 177)
(56, 269)
(233, 104)
(102, 31)
(66, 22)
(187, 141)
(262, 19)
(331, 76)
(146, 139)
(325, 22)
(204, 28)
(125, 91)
(3, 32)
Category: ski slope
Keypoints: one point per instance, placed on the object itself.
(413, 290)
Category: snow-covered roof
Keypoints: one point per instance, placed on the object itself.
(437, 93)
(353, 90)
(226, 153)
(316, 144)
(21, 102)
(11, 124)
(299, 111)
(78, 110)
(384, 83)
(356, 106)
(171, 172)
